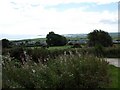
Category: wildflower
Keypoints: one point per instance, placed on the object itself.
(71, 75)
(45, 60)
(65, 53)
(33, 71)
(79, 54)
(70, 53)
(35, 64)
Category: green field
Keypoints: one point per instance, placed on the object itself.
(59, 47)
(52, 68)
(115, 77)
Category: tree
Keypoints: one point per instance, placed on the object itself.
(5, 43)
(55, 39)
(99, 37)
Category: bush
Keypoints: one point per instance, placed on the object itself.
(15, 52)
(99, 37)
(76, 46)
(38, 54)
(99, 50)
(5, 43)
(80, 72)
(63, 72)
(112, 52)
(55, 39)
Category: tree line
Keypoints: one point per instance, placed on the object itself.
(96, 37)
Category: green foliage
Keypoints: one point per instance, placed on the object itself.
(66, 71)
(5, 43)
(99, 50)
(16, 52)
(38, 54)
(76, 46)
(115, 77)
(42, 54)
(99, 37)
(55, 39)
(112, 52)
(5, 51)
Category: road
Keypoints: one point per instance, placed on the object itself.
(114, 61)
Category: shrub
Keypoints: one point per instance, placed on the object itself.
(38, 54)
(112, 52)
(99, 50)
(5, 51)
(63, 72)
(15, 52)
(76, 46)
(80, 72)
(55, 39)
(99, 37)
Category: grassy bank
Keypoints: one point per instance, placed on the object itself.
(114, 77)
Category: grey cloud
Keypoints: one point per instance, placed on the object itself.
(35, 5)
(13, 3)
(109, 21)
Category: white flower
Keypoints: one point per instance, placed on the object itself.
(33, 70)
(35, 64)
(65, 53)
(45, 60)
(71, 75)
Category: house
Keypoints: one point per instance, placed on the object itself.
(116, 41)
(81, 41)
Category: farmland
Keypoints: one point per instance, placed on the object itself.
(45, 68)
(59, 67)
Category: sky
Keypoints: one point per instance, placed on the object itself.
(20, 19)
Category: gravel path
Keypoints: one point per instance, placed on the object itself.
(114, 61)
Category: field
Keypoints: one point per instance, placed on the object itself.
(59, 47)
(115, 76)
(56, 71)
(59, 67)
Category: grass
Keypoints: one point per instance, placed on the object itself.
(66, 65)
(59, 47)
(74, 71)
(115, 78)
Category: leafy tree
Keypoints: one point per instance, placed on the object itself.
(55, 39)
(99, 37)
(5, 43)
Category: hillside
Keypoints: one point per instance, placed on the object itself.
(73, 37)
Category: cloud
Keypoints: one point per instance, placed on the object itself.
(56, 2)
(109, 21)
(35, 5)
(31, 17)
(13, 3)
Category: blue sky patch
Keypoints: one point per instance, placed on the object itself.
(90, 6)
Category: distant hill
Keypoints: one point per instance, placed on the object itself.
(72, 36)
(114, 35)
(75, 35)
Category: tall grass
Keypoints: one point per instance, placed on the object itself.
(65, 71)
(41, 54)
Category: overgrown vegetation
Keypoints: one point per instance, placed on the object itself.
(60, 67)
(66, 71)
(40, 54)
